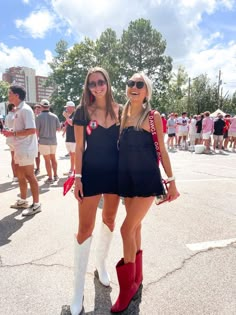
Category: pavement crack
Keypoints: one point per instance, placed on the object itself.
(35, 262)
(184, 262)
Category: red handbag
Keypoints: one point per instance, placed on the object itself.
(68, 184)
(161, 198)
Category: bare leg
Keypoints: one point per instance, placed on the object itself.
(29, 174)
(136, 209)
(110, 207)
(87, 216)
(54, 163)
(48, 165)
(37, 161)
(13, 165)
(22, 181)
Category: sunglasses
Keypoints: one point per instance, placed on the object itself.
(139, 84)
(94, 84)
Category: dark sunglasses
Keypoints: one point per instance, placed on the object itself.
(93, 84)
(139, 84)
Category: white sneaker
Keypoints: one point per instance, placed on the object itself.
(15, 180)
(20, 204)
(33, 209)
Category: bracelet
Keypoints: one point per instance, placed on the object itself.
(170, 179)
(78, 176)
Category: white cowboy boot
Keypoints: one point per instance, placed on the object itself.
(80, 267)
(102, 248)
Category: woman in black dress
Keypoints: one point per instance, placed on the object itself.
(96, 126)
(139, 181)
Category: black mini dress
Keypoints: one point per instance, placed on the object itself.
(100, 158)
(138, 171)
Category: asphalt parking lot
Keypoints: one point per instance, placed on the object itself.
(189, 245)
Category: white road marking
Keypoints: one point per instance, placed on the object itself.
(210, 244)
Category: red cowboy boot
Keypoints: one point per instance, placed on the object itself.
(128, 286)
(139, 268)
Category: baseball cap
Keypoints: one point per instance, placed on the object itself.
(70, 104)
(45, 103)
(163, 115)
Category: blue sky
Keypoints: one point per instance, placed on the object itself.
(200, 34)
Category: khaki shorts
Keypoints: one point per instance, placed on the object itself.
(70, 146)
(47, 149)
(183, 133)
(24, 159)
(218, 138)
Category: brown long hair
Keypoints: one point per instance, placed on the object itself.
(88, 98)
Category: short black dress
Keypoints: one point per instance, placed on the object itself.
(100, 158)
(138, 172)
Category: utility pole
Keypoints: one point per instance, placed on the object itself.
(218, 89)
(189, 95)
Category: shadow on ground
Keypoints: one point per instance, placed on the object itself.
(10, 225)
(102, 303)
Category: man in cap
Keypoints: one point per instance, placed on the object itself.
(47, 125)
(70, 136)
(25, 149)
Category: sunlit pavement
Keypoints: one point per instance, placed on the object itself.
(189, 246)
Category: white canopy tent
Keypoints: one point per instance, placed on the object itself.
(218, 111)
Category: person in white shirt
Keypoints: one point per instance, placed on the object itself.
(192, 130)
(9, 122)
(182, 123)
(25, 148)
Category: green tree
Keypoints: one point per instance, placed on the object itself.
(203, 95)
(174, 98)
(4, 86)
(142, 49)
(108, 56)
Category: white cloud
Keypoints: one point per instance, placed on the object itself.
(210, 61)
(37, 24)
(20, 56)
(179, 22)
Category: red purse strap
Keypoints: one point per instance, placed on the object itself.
(154, 135)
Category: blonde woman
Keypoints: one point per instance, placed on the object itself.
(96, 127)
(139, 181)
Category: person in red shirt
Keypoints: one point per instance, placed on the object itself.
(225, 131)
(164, 124)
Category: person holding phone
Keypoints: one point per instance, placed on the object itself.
(139, 181)
(96, 127)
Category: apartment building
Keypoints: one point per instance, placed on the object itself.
(34, 85)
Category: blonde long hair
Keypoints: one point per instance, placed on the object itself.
(146, 103)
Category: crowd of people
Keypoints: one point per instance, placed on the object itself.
(215, 133)
(112, 155)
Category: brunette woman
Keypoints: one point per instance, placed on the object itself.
(139, 181)
(96, 126)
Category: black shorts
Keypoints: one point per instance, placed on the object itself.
(171, 135)
(226, 134)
